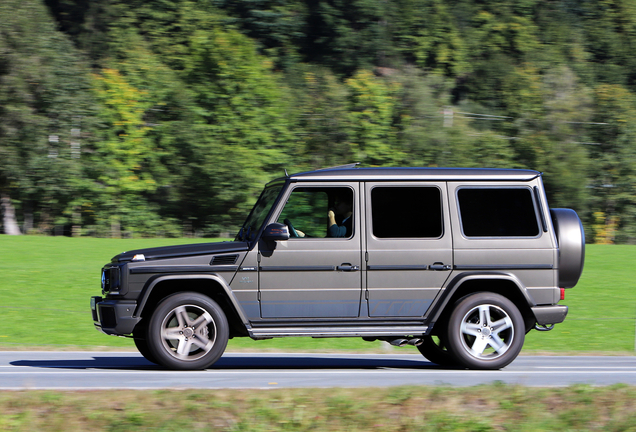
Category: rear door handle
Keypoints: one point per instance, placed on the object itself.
(439, 266)
(347, 267)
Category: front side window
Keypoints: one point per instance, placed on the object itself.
(497, 212)
(312, 212)
(259, 212)
(406, 212)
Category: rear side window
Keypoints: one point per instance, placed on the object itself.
(497, 212)
(406, 212)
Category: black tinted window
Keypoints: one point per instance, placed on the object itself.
(491, 212)
(406, 212)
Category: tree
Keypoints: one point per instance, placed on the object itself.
(321, 101)
(613, 177)
(44, 100)
(425, 33)
(219, 114)
(371, 135)
(230, 92)
(119, 166)
(278, 26)
(348, 35)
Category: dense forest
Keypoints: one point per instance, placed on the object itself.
(165, 117)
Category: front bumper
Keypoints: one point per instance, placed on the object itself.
(114, 317)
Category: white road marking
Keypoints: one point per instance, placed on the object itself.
(308, 372)
(586, 367)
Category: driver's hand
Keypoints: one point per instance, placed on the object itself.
(331, 217)
(300, 233)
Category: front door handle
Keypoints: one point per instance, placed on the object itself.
(439, 266)
(347, 267)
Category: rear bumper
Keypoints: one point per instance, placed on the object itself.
(546, 315)
(114, 317)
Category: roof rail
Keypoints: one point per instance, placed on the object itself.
(347, 166)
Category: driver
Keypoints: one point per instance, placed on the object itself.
(342, 211)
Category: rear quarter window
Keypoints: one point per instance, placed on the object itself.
(497, 212)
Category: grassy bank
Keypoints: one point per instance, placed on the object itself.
(483, 408)
(602, 315)
(46, 284)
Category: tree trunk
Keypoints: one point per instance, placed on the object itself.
(76, 231)
(115, 228)
(8, 211)
(27, 225)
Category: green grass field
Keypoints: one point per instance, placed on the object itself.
(602, 304)
(46, 284)
(399, 409)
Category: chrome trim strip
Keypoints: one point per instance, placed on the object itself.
(505, 267)
(397, 267)
(338, 331)
(298, 268)
(183, 269)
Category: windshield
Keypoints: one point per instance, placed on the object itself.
(258, 214)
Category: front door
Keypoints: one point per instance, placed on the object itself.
(316, 273)
(409, 246)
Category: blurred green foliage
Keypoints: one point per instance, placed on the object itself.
(307, 209)
(165, 117)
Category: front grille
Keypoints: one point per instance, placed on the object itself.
(224, 260)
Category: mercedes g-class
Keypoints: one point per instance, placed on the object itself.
(461, 263)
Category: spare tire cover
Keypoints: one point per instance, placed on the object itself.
(571, 239)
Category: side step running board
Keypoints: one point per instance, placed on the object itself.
(366, 331)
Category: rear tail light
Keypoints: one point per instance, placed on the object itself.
(562, 293)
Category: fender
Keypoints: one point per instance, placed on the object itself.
(457, 282)
(212, 277)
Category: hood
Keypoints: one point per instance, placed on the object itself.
(182, 251)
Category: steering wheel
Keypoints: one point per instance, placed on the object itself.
(292, 230)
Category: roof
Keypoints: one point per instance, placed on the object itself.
(415, 173)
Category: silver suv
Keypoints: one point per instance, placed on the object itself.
(461, 263)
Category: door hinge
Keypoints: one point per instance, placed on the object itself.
(258, 257)
(259, 296)
(366, 295)
(366, 256)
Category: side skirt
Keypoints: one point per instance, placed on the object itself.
(336, 331)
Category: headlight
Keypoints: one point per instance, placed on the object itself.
(110, 279)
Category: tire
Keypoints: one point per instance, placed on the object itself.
(187, 331)
(435, 350)
(485, 331)
(139, 336)
(571, 241)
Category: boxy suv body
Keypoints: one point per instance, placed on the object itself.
(461, 263)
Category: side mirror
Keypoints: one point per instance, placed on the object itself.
(276, 232)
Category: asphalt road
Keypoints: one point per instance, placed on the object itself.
(125, 370)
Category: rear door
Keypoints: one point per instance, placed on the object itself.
(408, 246)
